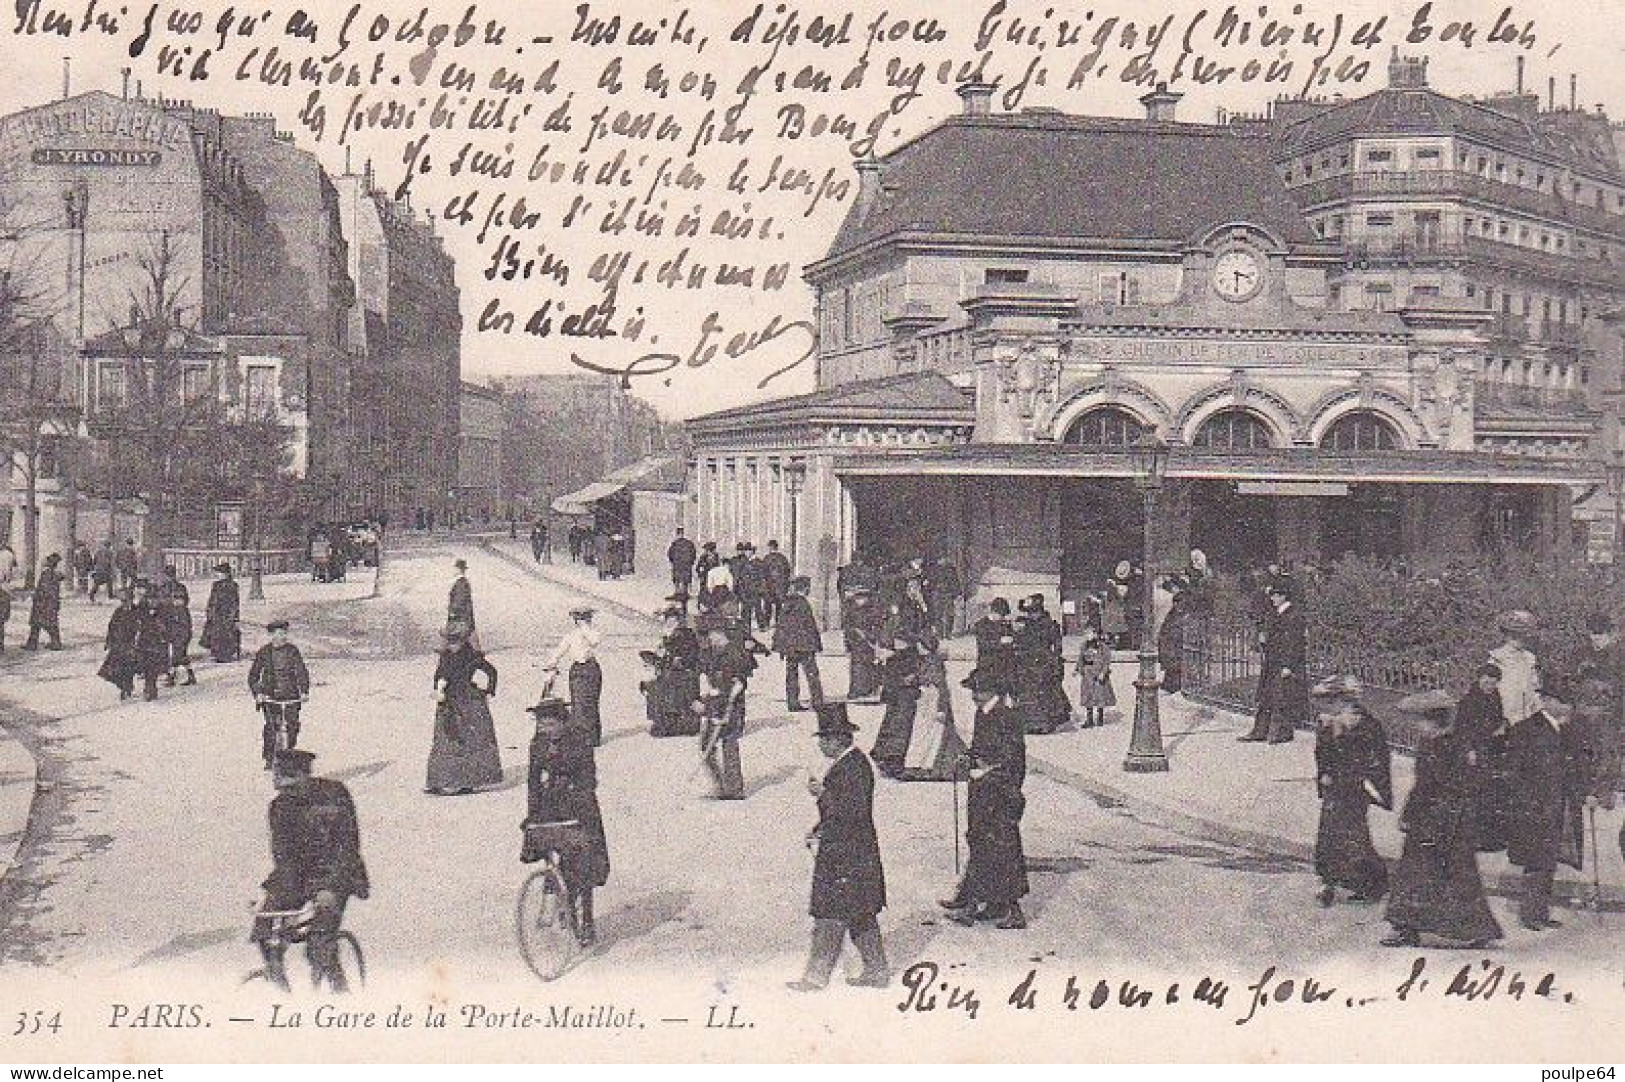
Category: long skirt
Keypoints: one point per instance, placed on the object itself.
(119, 669)
(464, 754)
(896, 729)
(586, 682)
(223, 640)
(936, 749)
(1044, 703)
(671, 698)
(1436, 889)
(864, 675)
(996, 871)
(1344, 855)
(719, 750)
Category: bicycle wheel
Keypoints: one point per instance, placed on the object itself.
(546, 927)
(351, 962)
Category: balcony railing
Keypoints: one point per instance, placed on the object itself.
(1428, 246)
(1452, 182)
(1564, 401)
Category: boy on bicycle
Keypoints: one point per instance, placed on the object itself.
(280, 684)
(316, 850)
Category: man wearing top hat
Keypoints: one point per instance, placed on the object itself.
(1283, 690)
(316, 850)
(995, 878)
(1548, 774)
(460, 603)
(849, 881)
(278, 675)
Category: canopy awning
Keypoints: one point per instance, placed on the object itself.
(1296, 464)
(644, 470)
(581, 500)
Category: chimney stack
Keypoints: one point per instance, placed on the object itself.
(1160, 103)
(1551, 93)
(1574, 91)
(125, 93)
(67, 78)
(871, 171)
(1520, 76)
(978, 97)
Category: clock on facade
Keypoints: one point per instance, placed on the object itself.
(1237, 275)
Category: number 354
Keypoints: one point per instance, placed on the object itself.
(30, 1023)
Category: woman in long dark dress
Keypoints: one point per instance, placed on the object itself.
(563, 786)
(221, 635)
(121, 664)
(464, 755)
(1436, 889)
(995, 877)
(1352, 772)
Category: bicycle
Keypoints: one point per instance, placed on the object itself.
(545, 916)
(275, 930)
(276, 715)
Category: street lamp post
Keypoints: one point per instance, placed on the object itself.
(1145, 753)
(1616, 488)
(795, 476)
(256, 580)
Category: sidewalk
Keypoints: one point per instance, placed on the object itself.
(1258, 796)
(325, 627)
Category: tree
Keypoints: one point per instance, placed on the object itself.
(36, 409)
(180, 442)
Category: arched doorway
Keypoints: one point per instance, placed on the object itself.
(1236, 532)
(1101, 519)
(1369, 521)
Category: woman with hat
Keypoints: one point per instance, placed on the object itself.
(460, 603)
(1115, 613)
(563, 787)
(1436, 889)
(221, 635)
(151, 639)
(121, 664)
(674, 687)
(1353, 770)
(849, 881)
(726, 665)
(464, 754)
(1043, 668)
(579, 647)
(177, 606)
(995, 878)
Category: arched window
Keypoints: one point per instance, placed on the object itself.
(1106, 426)
(1233, 430)
(1361, 430)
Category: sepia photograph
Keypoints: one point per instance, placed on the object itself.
(783, 533)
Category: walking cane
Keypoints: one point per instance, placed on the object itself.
(1596, 866)
(955, 787)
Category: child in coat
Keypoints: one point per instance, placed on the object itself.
(1095, 668)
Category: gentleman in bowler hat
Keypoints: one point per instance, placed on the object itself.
(849, 883)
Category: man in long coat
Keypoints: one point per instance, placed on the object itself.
(682, 555)
(151, 639)
(796, 639)
(177, 605)
(1548, 780)
(45, 613)
(1600, 710)
(849, 881)
(861, 615)
(776, 571)
(460, 603)
(1283, 694)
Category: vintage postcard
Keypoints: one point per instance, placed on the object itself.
(769, 531)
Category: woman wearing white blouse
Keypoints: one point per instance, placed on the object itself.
(579, 647)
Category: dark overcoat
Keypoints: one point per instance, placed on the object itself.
(1548, 779)
(315, 843)
(849, 882)
(996, 872)
(151, 639)
(1353, 770)
(121, 664)
(563, 785)
(221, 636)
(47, 605)
(460, 604)
(797, 629)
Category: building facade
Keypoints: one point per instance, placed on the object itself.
(479, 455)
(405, 344)
(993, 341)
